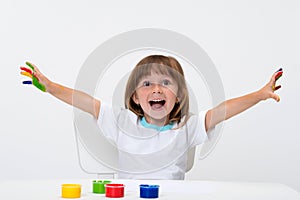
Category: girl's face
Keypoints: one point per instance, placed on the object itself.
(157, 95)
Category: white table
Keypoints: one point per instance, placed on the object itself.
(200, 190)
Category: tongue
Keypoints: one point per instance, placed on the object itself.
(156, 106)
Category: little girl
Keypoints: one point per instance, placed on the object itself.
(155, 130)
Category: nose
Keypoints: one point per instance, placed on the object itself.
(156, 88)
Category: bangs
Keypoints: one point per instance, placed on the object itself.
(156, 68)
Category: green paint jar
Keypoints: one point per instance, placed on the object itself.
(99, 186)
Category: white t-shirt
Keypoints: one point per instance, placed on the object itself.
(146, 153)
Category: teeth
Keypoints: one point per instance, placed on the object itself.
(157, 101)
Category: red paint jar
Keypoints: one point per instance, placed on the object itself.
(114, 190)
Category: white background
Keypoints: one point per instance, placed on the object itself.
(247, 41)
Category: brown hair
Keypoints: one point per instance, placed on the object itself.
(164, 65)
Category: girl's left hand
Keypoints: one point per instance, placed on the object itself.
(268, 91)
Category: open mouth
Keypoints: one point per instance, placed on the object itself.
(156, 104)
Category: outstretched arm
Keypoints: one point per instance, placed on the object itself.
(234, 106)
(70, 96)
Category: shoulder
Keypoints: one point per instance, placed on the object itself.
(115, 114)
(195, 128)
(193, 119)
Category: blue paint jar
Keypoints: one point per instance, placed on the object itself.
(149, 191)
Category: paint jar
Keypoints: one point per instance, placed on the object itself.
(149, 191)
(99, 186)
(71, 190)
(114, 190)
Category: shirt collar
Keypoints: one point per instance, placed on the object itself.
(155, 127)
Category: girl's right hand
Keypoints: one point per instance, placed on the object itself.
(38, 79)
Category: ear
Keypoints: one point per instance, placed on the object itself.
(135, 98)
(177, 99)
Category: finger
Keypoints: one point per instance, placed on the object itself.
(26, 70)
(274, 88)
(278, 75)
(26, 74)
(27, 82)
(278, 98)
(277, 87)
(32, 66)
(275, 97)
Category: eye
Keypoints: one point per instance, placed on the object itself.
(146, 83)
(166, 82)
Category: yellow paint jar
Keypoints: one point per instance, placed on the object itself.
(71, 190)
